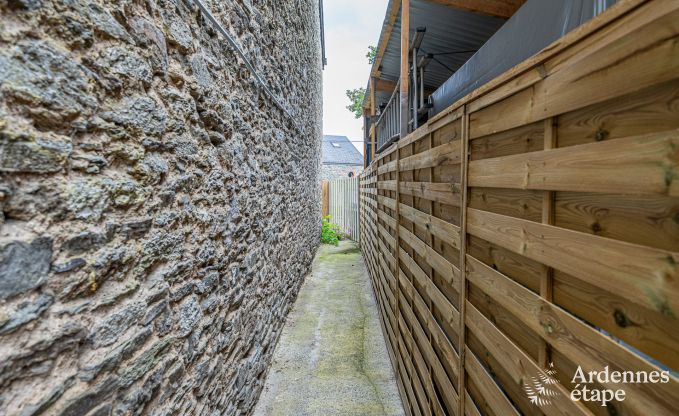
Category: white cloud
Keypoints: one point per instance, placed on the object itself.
(350, 26)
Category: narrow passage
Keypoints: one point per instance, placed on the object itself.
(331, 358)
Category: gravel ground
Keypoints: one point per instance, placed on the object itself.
(331, 358)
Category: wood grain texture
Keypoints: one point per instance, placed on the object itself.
(559, 243)
(650, 332)
(448, 153)
(389, 185)
(501, 377)
(638, 165)
(497, 8)
(386, 168)
(651, 110)
(641, 274)
(517, 363)
(446, 193)
(615, 66)
(505, 321)
(521, 203)
(575, 339)
(487, 387)
(447, 389)
(522, 139)
(521, 269)
(650, 220)
(439, 228)
(446, 270)
(470, 409)
(438, 338)
(447, 311)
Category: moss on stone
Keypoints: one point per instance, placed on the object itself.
(327, 361)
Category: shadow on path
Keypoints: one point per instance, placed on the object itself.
(331, 358)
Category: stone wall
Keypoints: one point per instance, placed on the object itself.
(158, 213)
(335, 171)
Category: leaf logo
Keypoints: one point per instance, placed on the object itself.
(540, 389)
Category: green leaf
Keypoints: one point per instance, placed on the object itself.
(356, 96)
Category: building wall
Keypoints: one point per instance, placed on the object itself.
(159, 214)
(329, 172)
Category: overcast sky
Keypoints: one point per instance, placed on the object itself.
(350, 26)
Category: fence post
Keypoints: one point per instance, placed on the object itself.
(325, 198)
(461, 385)
(546, 282)
(403, 132)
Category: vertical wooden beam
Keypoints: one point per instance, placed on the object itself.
(461, 384)
(366, 134)
(412, 176)
(397, 255)
(403, 102)
(365, 146)
(372, 96)
(431, 242)
(405, 57)
(547, 280)
(373, 128)
(373, 142)
(325, 198)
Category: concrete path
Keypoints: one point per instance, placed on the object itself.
(331, 358)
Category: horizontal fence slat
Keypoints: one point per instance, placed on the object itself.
(440, 121)
(555, 188)
(437, 408)
(647, 164)
(438, 337)
(389, 185)
(439, 228)
(517, 363)
(388, 219)
(618, 65)
(491, 392)
(470, 408)
(579, 342)
(387, 167)
(445, 308)
(387, 202)
(448, 391)
(645, 275)
(445, 193)
(448, 271)
(448, 153)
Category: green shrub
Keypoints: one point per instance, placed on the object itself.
(329, 232)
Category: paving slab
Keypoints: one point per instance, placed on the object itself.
(331, 358)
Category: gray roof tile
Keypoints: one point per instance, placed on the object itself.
(338, 150)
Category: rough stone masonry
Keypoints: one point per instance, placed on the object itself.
(158, 212)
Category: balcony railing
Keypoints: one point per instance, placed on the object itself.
(387, 128)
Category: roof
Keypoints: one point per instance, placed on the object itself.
(338, 150)
(453, 35)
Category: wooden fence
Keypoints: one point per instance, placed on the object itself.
(536, 221)
(343, 205)
(325, 198)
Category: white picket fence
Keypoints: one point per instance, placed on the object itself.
(343, 205)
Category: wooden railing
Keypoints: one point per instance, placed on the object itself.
(388, 125)
(536, 223)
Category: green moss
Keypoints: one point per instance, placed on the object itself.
(661, 304)
(331, 362)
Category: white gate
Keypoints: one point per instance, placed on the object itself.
(344, 205)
